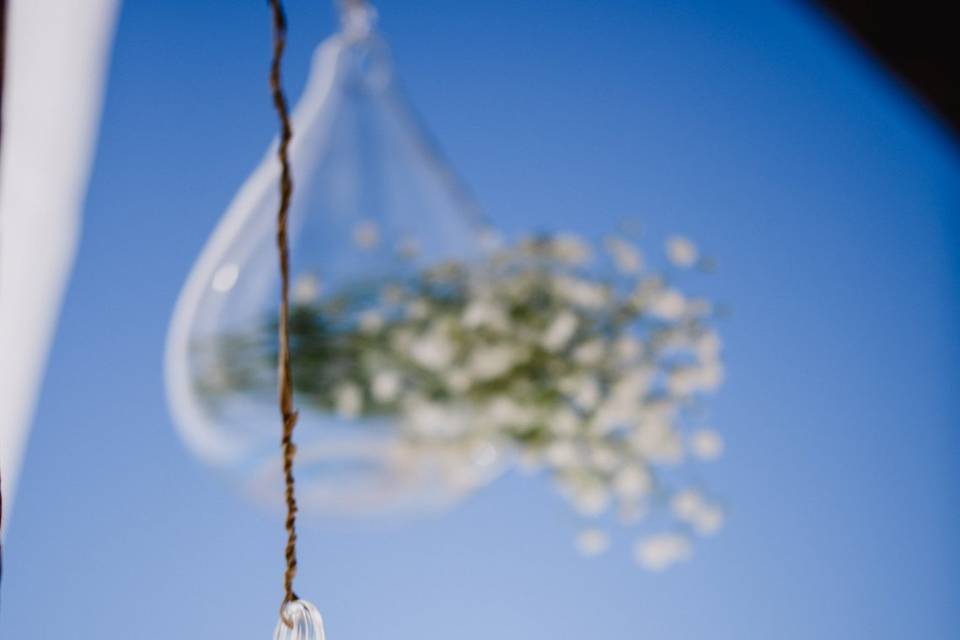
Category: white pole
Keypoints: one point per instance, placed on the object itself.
(57, 52)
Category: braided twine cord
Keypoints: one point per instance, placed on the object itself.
(285, 386)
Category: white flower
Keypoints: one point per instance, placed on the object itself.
(581, 292)
(418, 309)
(385, 386)
(627, 348)
(561, 454)
(626, 257)
(370, 321)
(589, 353)
(458, 379)
(658, 441)
(687, 504)
(684, 381)
(659, 552)
(708, 345)
(349, 400)
(432, 419)
(668, 304)
(492, 362)
(366, 235)
(559, 332)
(591, 500)
(632, 481)
(564, 422)
(571, 249)
(711, 376)
(691, 507)
(709, 520)
(306, 289)
(434, 350)
(604, 458)
(592, 542)
(506, 411)
(484, 313)
(587, 393)
(706, 444)
(681, 251)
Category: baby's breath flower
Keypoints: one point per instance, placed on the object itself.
(659, 552)
(625, 255)
(528, 357)
(706, 444)
(349, 401)
(385, 386)
(559, 331)
(592, 542)
(681, 251)
(571, 249)
(306, 290)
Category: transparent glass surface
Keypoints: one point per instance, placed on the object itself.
(373, 200)
(306, 621)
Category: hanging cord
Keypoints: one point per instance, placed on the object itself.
(285, 386)
(3, 65)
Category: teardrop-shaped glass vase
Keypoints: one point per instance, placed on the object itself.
(305, 620)
(373, 200)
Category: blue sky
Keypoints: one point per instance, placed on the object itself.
(829, 199)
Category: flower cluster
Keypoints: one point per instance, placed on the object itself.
(591, 368)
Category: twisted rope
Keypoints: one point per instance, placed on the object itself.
(285, 386)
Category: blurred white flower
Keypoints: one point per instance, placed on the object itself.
(591, 500)
(561, 454)
(485, 313)
(686, 504)
(458, 379)
(588, 375)
(571, 249)
(434, 350)
(658, 441)
(560, 330)
(306, 290)
(660, 552)
(581, 292)
(587, 393)
(668, 304)
(706, 444)
(370, 321)
(366, 235)
(625, 256)
(592, 542)
(349, 401)
(418, 309)
(564, 423)
(709, 520)
(690, 506)
(627, 349)
(632, 481)
(589, 353)
(386, 386)
(708, 346)
(506, 411)
(492, 362)
(681, 251)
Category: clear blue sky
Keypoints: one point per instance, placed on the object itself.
(830, 200)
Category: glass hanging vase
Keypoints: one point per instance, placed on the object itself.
(373, 201)
(305, 622)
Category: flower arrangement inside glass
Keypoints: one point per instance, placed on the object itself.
(429, 354)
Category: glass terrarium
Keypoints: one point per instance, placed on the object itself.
(374, 201)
